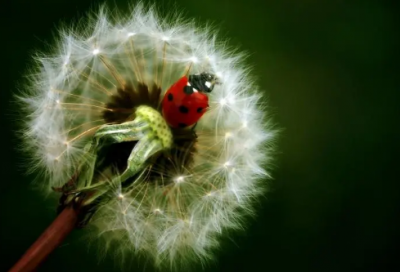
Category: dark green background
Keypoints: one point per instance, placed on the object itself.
(329, 71)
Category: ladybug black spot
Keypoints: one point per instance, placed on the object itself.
(182, 125)
(199, 110)
(188, 90)
(183, 109)
(170, 97)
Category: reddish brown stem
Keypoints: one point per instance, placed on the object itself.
(48, 241)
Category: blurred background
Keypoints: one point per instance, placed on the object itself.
(329, 72)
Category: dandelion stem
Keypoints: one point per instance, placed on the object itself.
(51, 238)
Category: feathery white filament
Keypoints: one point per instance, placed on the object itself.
(69, 95)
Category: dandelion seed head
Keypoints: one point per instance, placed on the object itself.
(177, 208)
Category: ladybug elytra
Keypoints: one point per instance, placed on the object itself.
(186, 101)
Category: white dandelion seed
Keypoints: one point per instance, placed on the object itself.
(176, 204)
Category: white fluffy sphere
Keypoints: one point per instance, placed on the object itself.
(173, 215)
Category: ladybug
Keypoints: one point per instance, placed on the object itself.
(186, 101)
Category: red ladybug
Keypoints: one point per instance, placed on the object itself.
(186, 101)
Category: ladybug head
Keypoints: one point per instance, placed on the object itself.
(203, 82)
